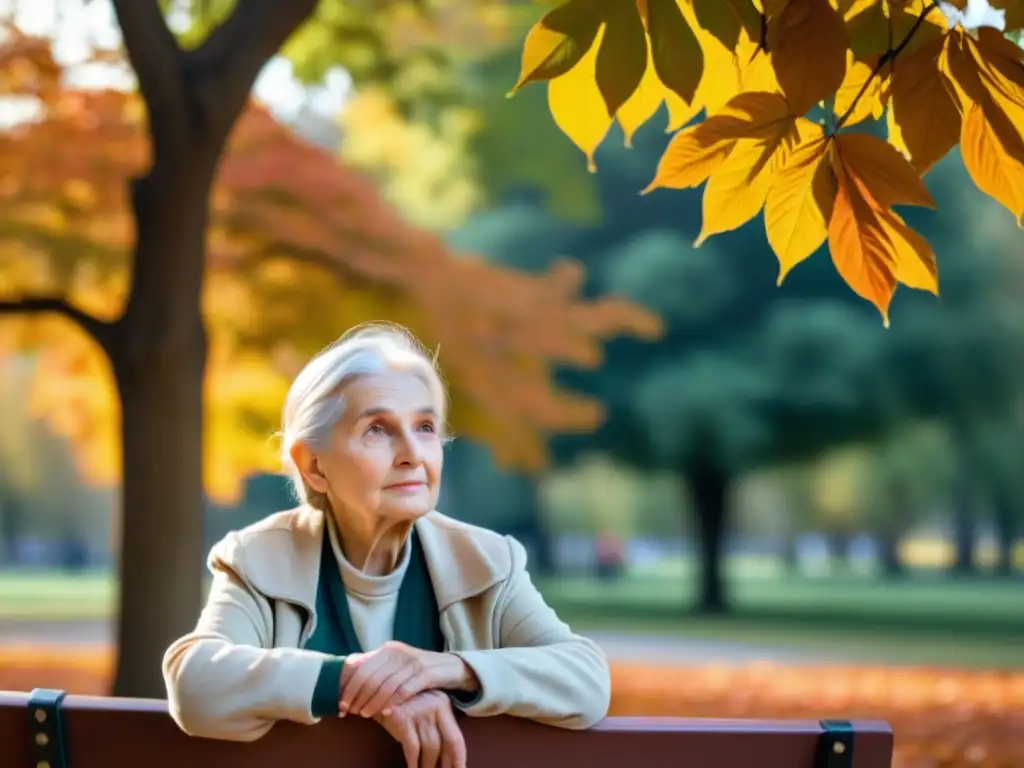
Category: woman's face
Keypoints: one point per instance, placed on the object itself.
(385, 454)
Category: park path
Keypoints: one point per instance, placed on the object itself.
(619, 646)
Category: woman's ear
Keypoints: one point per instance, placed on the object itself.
(309, 467)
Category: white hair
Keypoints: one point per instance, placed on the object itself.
(314, 404)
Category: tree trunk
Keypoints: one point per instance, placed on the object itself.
(964, 524)
(1006, 532)
(159, 363)
(709, 486)
(889, 540)
(839, 548)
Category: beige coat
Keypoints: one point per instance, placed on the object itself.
(244, 668)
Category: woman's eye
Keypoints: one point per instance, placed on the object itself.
(375, 429)
(427, 427)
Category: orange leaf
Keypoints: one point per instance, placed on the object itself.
(859, 243)
(885, 173)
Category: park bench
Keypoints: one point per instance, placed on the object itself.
(46, 729)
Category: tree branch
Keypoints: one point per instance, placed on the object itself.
(100, 330)
(887, 58)
(156, 58)
(225, 66)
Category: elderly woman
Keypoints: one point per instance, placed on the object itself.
(364, 600)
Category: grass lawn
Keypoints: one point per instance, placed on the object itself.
(974, 622)
(919, 620)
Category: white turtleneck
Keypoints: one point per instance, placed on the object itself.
(372, 600)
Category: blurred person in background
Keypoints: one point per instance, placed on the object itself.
(364, 600)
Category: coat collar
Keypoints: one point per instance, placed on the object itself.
(280, 556)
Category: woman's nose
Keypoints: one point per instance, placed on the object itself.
(408, 450)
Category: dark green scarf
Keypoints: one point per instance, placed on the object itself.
(416, 619)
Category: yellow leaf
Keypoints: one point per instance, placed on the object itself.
(679, 112)
(923, 119)
(982, 77)
(799, 204)
(913, 256)
(695, 152)
(577, 106)
(887, 175)
(737, 190)
(993, 170)
(862, 94)
(622, 56)
(644, 102)
(716, 89)
(559, 41)
(678, 58)
(808, 43)
(860, 246)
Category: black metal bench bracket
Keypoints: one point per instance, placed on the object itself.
(46, 729)
(835, 747)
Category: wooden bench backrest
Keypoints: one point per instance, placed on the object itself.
(138, 733)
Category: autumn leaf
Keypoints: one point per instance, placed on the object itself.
(916, 266)
(697, 151)
(676, 52)
(808, 44)
(993, 170)
(764, 64)
(981, 72)
(642, 104)
(861, 248)
(726, 20)
(863, 93)
(577, 106)
(875, 27)
(736, 191)
(871, 246)
(622, 54)
(923, 119)
(799, 204)
(559, 41)
(887, 175)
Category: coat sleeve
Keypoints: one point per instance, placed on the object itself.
(541, 670)
(224, 680)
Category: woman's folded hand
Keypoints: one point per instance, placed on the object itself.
(426, 727)
(374, 683)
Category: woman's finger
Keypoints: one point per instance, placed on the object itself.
(453, 742)
(430, 743)
(391, 692)
(361, 685)
(411, 748)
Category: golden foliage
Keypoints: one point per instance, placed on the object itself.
(299, 249)
(780, 83)
(953, 719)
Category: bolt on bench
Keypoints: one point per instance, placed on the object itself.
(48, 729)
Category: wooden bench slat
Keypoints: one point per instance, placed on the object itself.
(129, 733)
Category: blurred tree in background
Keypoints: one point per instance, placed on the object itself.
(240, 269)
(749, 375)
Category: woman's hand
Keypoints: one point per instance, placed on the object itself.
(426, 728)
(376, 682)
